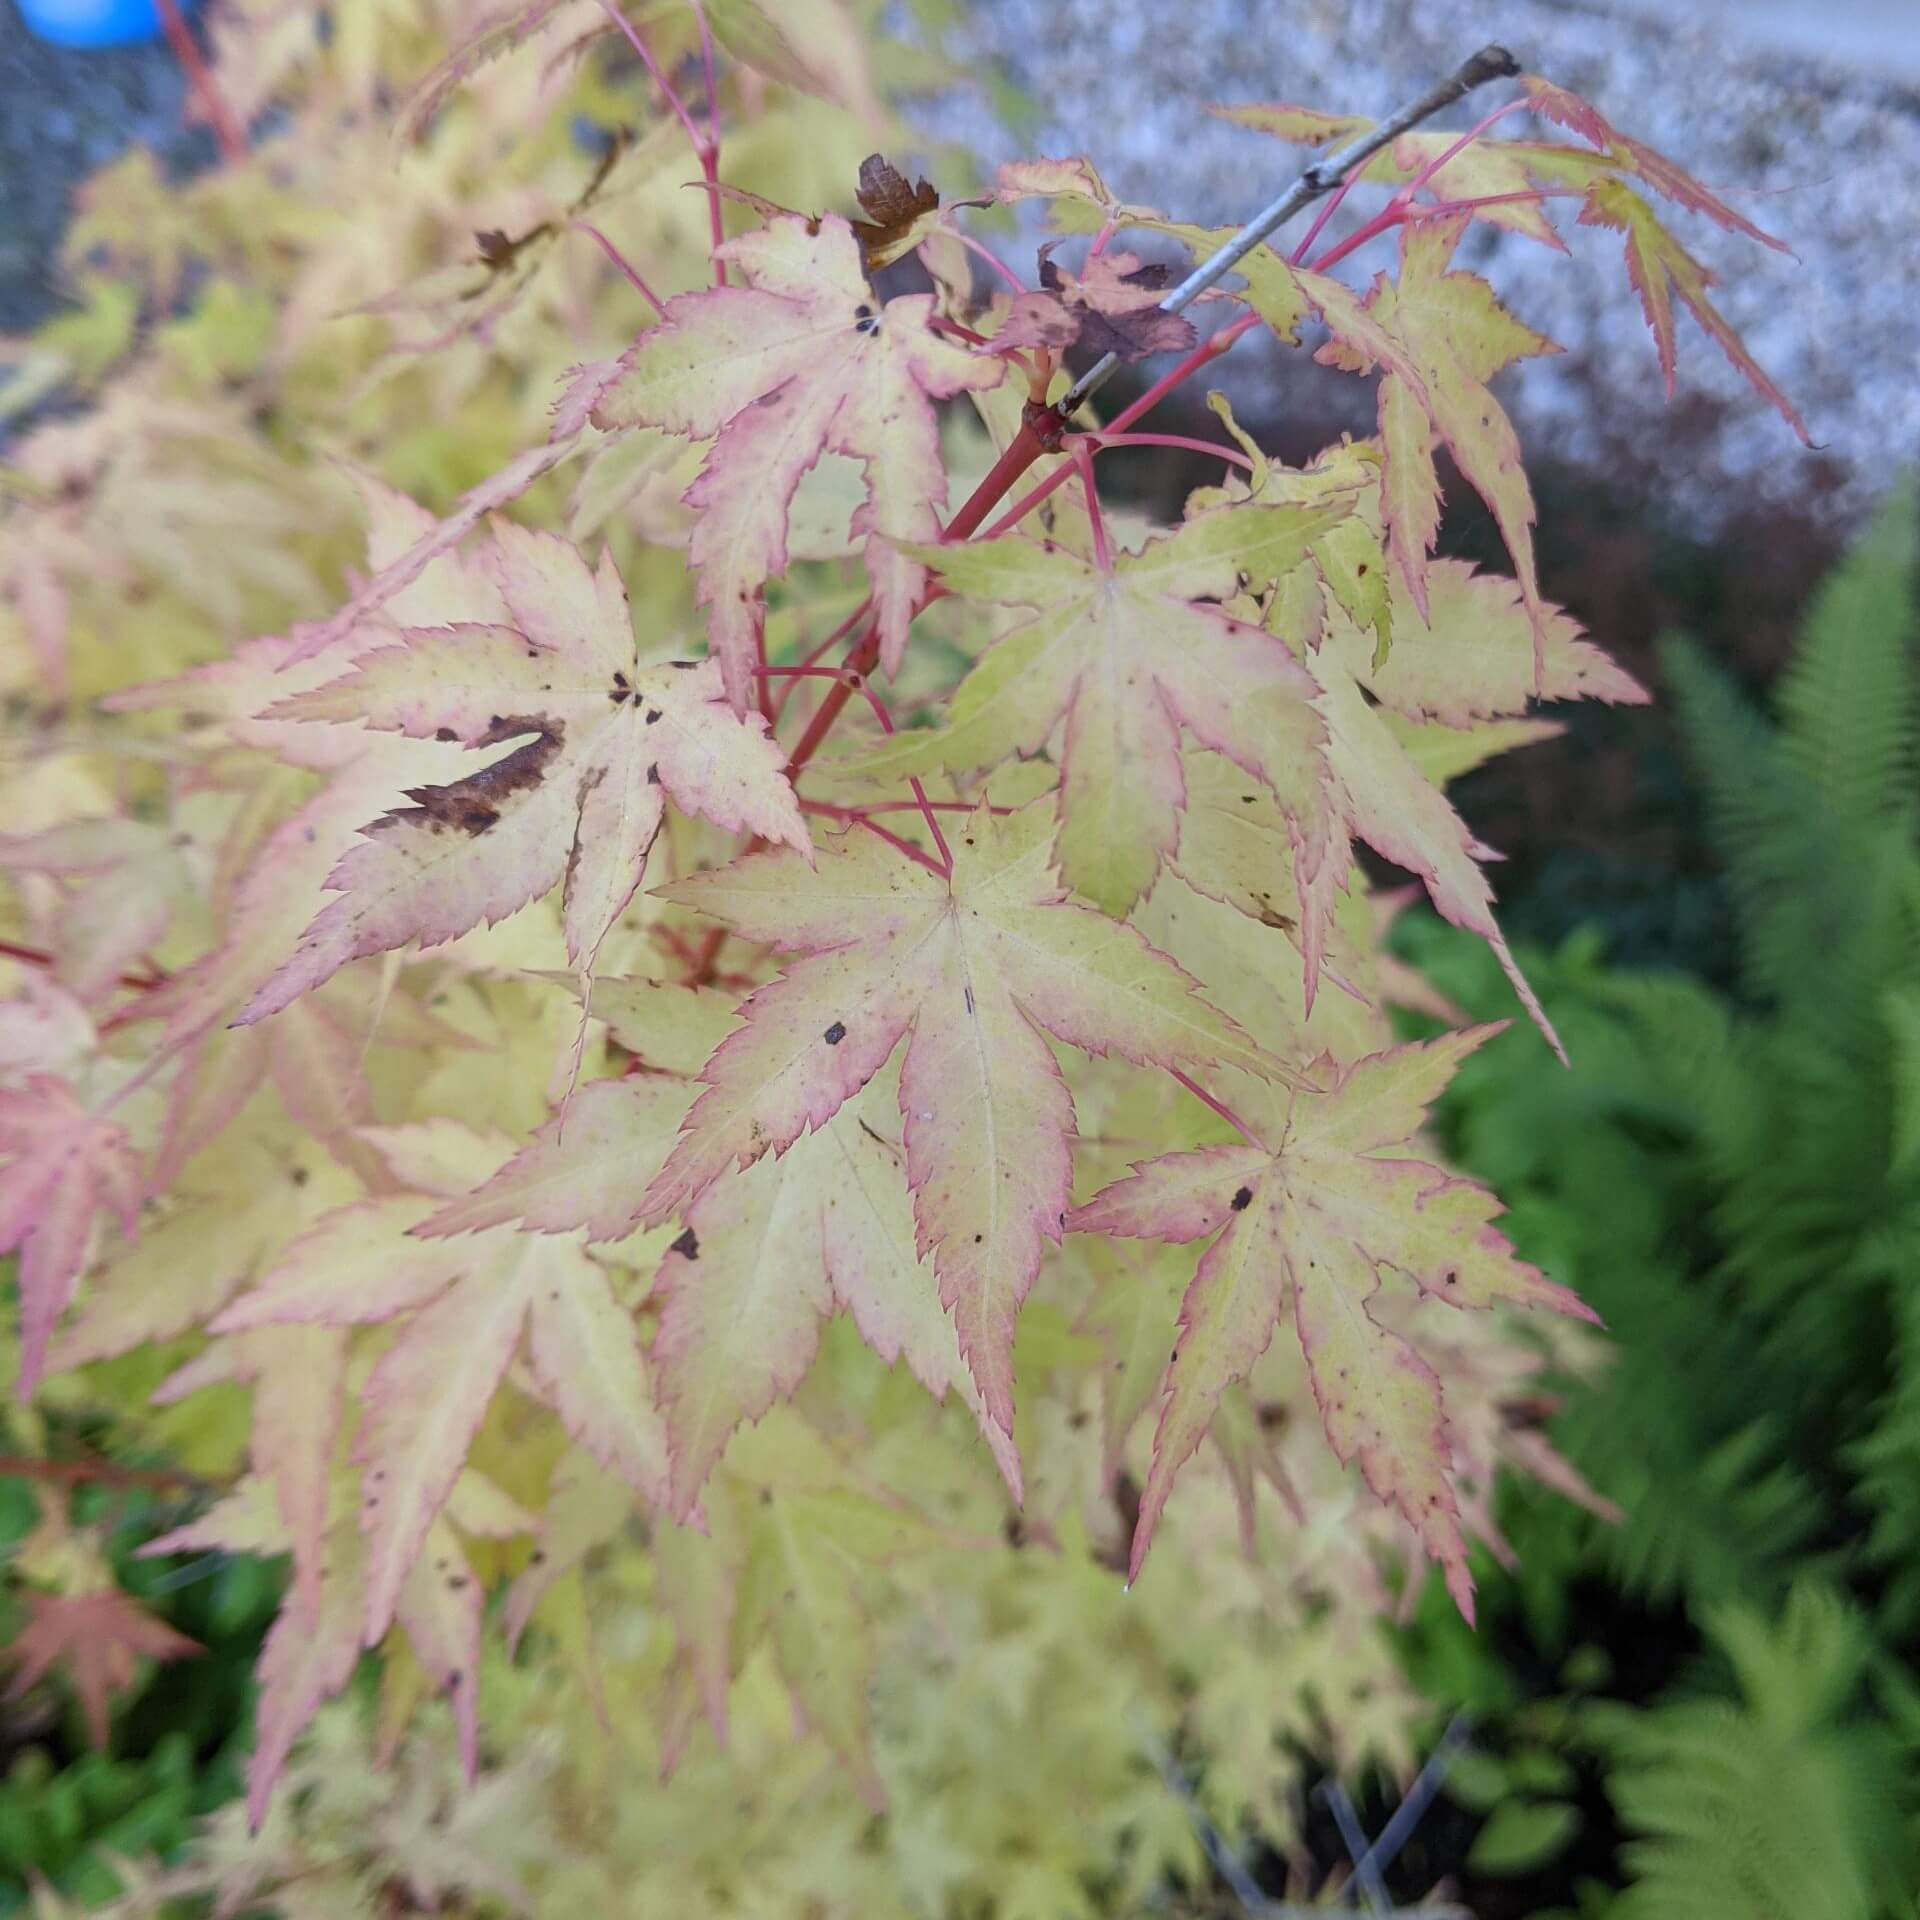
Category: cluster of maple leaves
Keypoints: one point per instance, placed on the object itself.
(867, 999)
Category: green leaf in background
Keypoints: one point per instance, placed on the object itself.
(1522, 1836)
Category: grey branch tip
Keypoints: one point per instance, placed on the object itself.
(1326, 173)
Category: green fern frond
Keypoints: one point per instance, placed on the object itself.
(1782, 1805)
(1848, 700)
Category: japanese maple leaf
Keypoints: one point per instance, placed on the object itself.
(1304, 1222)
(1090, 202)
(803, 360)
(605, 738)
(96, 1638)
(1125, 656)
(62, 1167)
(129, 879)
(767, 1256)
(466, 1302)
(1475, 662)
(764, 1258)
(973, 970)
(1438, 337)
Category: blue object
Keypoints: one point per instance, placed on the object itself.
(94, 23)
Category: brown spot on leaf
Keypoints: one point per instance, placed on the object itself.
(473, 805)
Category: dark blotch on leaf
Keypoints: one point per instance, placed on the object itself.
(473, 805)
(688, 1245)
(835, 1033)
(1242, 1199)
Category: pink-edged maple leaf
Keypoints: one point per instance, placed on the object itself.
(765, 1256)
(1120, 658)
(466, 1303)
(298, 1375)
(605, 738)
(96, 1639)
(973, 970)
(62, 1167)
(308, 1657)
(1438, 336)
(1307, 1224)
(803, 360)
(1658, 265)
(1479, 656)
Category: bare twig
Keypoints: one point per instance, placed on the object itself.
(1490, 63)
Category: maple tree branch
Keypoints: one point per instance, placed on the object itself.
(1322, 177)
(1022, 451)
(1328, 208)
(881, 714)
(812, 654)
(1209, 349)
(101, 1473)
(227, 131)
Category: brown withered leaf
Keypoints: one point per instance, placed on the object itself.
(898, 213)
(1112, 305)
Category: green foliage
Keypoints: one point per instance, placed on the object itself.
(1734, 1185)
(1782, 1803)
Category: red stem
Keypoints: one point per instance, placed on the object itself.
(1328, 207)
(1473, 133)
(38, 957)
(992, 259)
(98, 1473)
(227, 131)
(1022, 451)
(1220, 1107)
(1083, 459)
(1101, 441)
(881, 714)
(807, 659)
(1394, 214)
(621, 261)
(916, 854)
(1209, 349)
(704, 151)
(895, 806)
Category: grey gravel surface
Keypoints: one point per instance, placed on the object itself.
(63, 113)
(1825, 155)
